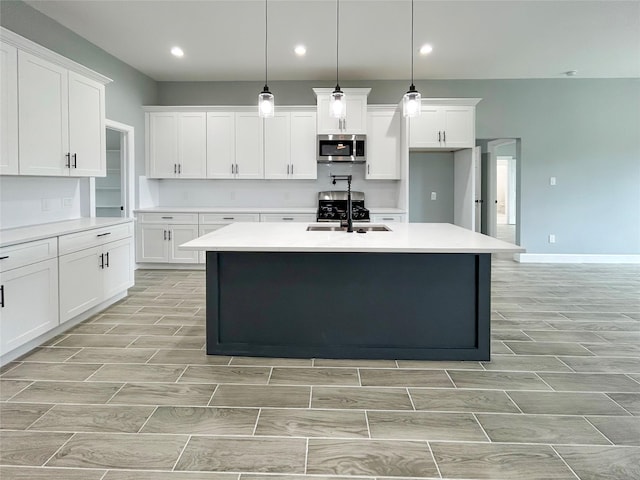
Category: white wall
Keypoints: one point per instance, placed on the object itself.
(30, 200)
(274, 193)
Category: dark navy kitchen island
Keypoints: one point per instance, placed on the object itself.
(286, 292)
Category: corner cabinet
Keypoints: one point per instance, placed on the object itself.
(443, 126)
(356, 115)
(383, 143)
(59, 113)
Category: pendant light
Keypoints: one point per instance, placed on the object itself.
(266, 104)
(411, 101)
(338, 106)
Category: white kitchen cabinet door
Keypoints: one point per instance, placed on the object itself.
(29, 303)
(86, 127)
(249, 146)
(355, 121)
(8, 110)
(163, 145)
(81, 282)
(423, 130)
(118, 267)
(221, 145)
(192, 145)
(43, 117)
(277, 146)
(178, 235)
(304, 164)
(458, 127)
(383, 145)
(443, 127)
(152, 245)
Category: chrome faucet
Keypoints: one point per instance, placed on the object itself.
(348, 222)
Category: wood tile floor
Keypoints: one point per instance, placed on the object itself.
(130, 395)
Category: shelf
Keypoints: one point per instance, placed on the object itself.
(107, 188)
(108, 206)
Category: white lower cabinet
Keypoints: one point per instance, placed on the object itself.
(29, 303)
(160, 243)
(210, 222)
(387, 218)
(288, 217)
(90, 276)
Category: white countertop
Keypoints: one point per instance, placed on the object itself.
(12, 236)
(403, 238)
(374, 210)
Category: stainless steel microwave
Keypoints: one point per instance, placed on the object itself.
(341, 148)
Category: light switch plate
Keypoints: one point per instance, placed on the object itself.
(434, 195)
(552, 180)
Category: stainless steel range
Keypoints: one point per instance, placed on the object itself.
(332, 206)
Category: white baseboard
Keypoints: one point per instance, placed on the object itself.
(574, 258)
(170, 266)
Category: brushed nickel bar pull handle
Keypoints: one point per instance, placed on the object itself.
(169, 231)
(1, 296)
(75, 160)
(444, 135)
(6, 256)
(179, 168)
(164, 234)
(103, 234)
(167, 218)
(175, 168)
(228, 218)
(287, 218)
(439, 137)
(102, 261)
(107, 262)
(68, 164)
(292, 169)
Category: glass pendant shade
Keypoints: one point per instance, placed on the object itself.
(338, 105)
(266, 104)
(411, 102)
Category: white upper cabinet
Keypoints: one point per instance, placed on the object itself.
(8, 109)
(446, 127)
(249, 146)
(192, 145)
(356, 117)
(87, 134)
(43, 113)
(277, 146)
(53, 112)
(383, 144)
(304, 164)
(221, 145)
(177, 145)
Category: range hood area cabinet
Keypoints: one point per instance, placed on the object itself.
(444, 124)
(231, 144)
(52, 112)
(356, 118)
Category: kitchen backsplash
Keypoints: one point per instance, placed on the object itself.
(274, 193)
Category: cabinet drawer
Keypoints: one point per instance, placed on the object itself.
(285, 217)
(382, 218)
(22, 254)
(217, 218)
(169, 218)
(94, 237)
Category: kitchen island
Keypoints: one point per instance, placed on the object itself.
(417, 291)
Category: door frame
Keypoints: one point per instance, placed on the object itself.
(492, 183)
(127, 159)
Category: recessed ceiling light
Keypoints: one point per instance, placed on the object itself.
(426, 49)
(300, 50)
(177, 52)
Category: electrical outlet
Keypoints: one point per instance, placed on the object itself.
(552, 181)
(552, 238)
(434, 195)
(67, 202)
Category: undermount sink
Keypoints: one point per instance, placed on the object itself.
(356, 229)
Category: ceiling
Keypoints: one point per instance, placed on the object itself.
(224, 40)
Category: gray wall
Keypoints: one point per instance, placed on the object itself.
(585, 132)
(127, 93)
(431, 172)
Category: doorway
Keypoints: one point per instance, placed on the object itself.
(500, 188)
(113, 195)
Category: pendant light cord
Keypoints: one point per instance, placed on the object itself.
(411, 42)
(337, 36)
(266, 26)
